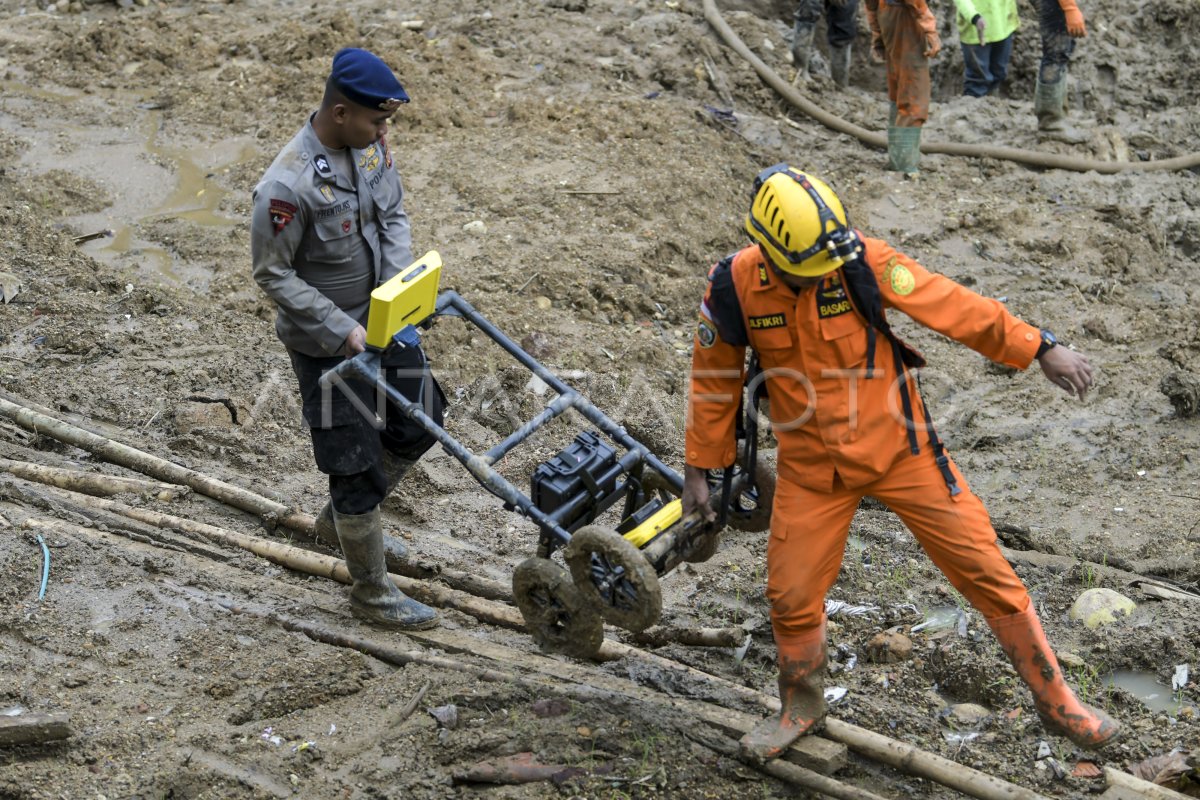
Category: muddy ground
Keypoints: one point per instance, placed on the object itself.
(594, 142)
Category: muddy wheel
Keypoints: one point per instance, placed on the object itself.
(557, 616)
(614, 577)
(751, 510)
(704, 546)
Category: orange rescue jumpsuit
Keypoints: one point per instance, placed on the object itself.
(842, 435)
(902, 25)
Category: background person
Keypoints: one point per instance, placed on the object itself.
(841, 28)
(1060, 23)
(904, 36)
(985, 29)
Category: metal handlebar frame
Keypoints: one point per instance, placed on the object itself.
(368, 366)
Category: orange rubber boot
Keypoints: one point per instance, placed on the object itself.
(1024, 642)
(801, 695)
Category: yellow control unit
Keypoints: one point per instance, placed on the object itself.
(662, 519)
(407, 299)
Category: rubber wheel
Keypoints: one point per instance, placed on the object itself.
(752, 511)
(614, 577)
(559, 619)
(704, 546)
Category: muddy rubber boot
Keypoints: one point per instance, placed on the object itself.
(839, 65)
(1061, 712)
(1050, 106)
(802, 662)
(373, 596)
(395, 468)
(904, 149)
(802, 47)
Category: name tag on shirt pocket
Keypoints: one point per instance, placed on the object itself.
(334, 236)
(848, 336)
(767, 339)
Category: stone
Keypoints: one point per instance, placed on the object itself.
(967, 715)
(191, 415)
(1097, 607)
(889, 647)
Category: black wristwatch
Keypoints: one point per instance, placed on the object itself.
(1048, 341)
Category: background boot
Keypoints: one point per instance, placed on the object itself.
(394, 550)
(802, 47)
(373, 596)
(1024, 642)
(904, 149)
(801, 695)
(1050, 106)
(839, 65)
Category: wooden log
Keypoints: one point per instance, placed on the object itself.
(915, 761)
(303, 561)
(583, 691)
(661, 635)
(271, 512)
(812, 752)
(34, 728)
(902, 756)
(890, 751)
(784, 770)
(1143, 788)
(90, 482)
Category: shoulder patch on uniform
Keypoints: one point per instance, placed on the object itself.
(387, 155)
(281, 213)
(899, 277)
(369, 159)
(764, 277)
(706, 334)
(321, 162)
(767, 321)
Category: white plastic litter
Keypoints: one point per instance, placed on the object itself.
(836, 607)
(834, 694)
(1180, 678)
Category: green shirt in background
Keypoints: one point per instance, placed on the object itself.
(1000, 17)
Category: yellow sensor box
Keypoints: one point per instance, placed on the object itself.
(407, 299)
(662, 519)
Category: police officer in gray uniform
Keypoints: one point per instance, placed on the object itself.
(329, 227)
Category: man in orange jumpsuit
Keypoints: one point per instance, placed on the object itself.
(808, 297)
(904, 36)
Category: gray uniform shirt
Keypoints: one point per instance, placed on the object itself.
(320, 242)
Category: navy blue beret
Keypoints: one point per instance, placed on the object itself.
(364, 79)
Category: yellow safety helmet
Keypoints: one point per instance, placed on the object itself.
(800, 223)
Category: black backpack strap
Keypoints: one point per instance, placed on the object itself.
(939, 449)
(724, 306)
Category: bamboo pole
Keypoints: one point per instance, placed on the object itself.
(306, 561)
(271, 512)
(90, 482)
(902, 756)
(34, 728)
(1146, 789)
(791, 773)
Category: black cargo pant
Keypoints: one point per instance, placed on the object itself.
(352, 423)
(1057, 44)
(840, 24)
